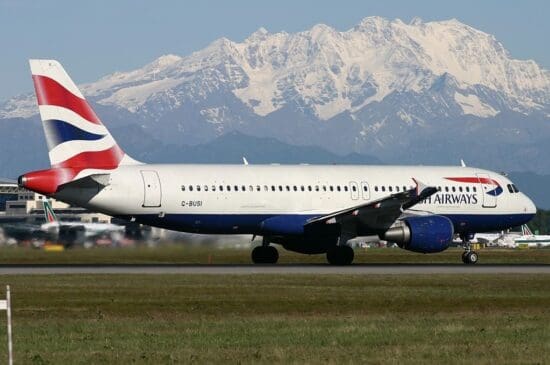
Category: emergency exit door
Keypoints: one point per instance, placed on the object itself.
(152, 193)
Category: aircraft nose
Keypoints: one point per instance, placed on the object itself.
(530, 207)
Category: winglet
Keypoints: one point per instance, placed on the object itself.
(420, 186)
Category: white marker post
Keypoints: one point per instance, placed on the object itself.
(6, 306)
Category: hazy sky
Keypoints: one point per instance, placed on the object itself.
(94, 38)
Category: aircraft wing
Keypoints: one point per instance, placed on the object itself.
(375, 216)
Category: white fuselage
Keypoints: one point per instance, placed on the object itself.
(237, 198)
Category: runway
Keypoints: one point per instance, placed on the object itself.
(313, 269)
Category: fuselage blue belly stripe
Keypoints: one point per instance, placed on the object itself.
(251, 223)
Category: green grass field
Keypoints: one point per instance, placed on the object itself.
(164, 319)
(185, 254)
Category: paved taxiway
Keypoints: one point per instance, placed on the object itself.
(358, 269)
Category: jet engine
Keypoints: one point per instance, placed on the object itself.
(424, 234)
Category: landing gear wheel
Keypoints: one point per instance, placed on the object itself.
(470, 257)
(265, 255)
(340, 255)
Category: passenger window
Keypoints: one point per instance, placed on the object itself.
(228, 187)
(309, 187)
(183, 188)
(331, 188)
(272, 187)
(266, 188)
(213, 187)
(405, 188)
(280, 188)
(453, 189)
(236, 188)
(389, 189)
(345, 188)
(190, 187)
(376, 188)
(460, 189)
(295, 188)
(446, 189)
(338, 188)
(198, 188)
(302, 188)
(316, 187)
(205, 187)
(250, 188)
(354, 188)
(221, 187)
(467, 189)
(364, 187)
(324, 188)
(397, 188)
(287, 188)
(383, 188)
(258, 188)
(243, 188)
(474, 189)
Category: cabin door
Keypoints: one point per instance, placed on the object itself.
(354, 189)
(490, 189)
(365, 193)
(152, 193)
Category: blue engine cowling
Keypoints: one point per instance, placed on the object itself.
(425, 234)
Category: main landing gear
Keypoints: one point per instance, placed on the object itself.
(265, 254)
(468, 256)
(340, 255)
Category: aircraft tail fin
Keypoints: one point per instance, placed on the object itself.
(75, 135)
(49, 213)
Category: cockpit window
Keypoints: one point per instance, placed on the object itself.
(510, 188)
(516, 190)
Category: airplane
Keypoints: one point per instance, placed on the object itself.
(532, 240)
(310, 209)
(70, 233)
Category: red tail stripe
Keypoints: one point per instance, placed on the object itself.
(50, 92)
(476, 180)
(106, 159)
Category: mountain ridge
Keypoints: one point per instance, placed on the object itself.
(422, 92)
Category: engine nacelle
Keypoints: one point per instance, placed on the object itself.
(425, 234)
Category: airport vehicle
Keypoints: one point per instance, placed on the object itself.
(307, 209)
(69, 233)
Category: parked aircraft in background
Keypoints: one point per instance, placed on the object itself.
(512, 239)
(532, 240)
(307, 209)
(69, 233)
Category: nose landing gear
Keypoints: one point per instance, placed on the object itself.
(468, 256)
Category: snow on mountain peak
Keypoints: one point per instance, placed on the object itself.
(329, 72)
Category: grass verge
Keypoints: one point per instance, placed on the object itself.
(81, 319)
(184, 254)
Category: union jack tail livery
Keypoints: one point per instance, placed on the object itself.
(78, 143)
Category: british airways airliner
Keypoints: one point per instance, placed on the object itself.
(307, 209)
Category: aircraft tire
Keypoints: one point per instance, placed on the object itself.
(470, 257)
(340, 255)
(265, 255)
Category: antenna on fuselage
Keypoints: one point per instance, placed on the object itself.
(245, 160)
(462, 163)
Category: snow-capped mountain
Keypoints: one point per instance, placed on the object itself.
(424, 92)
